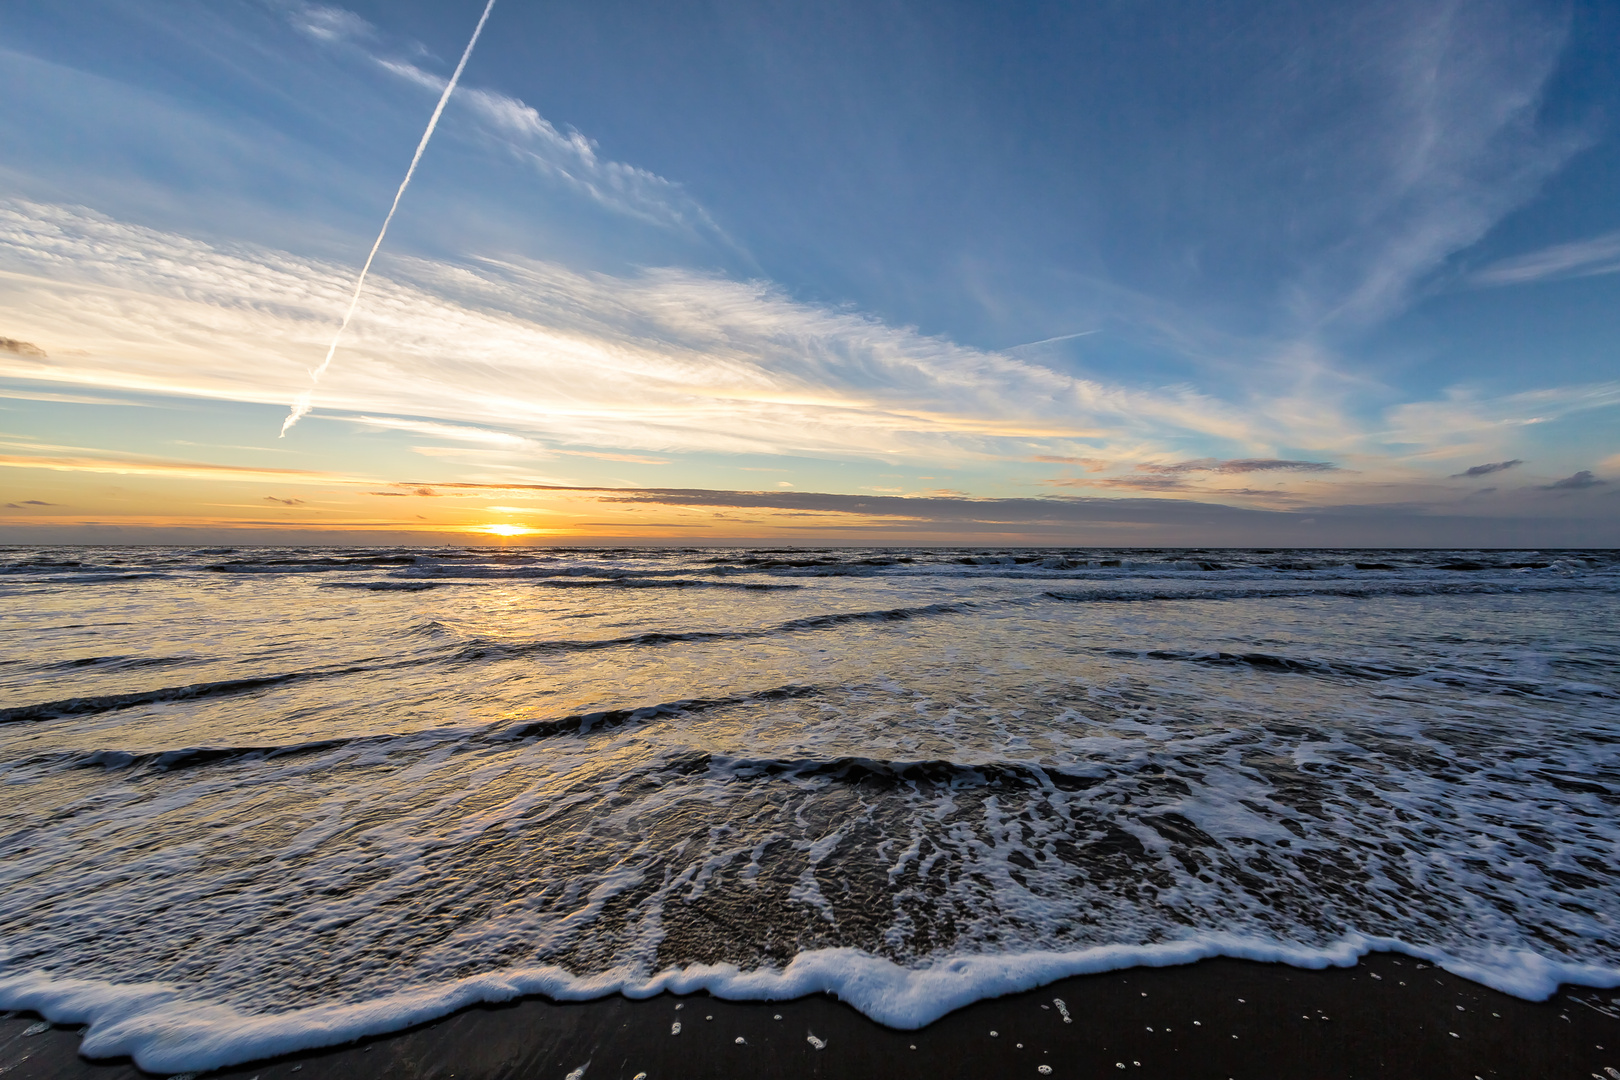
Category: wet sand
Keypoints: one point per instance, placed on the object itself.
(1387, 1017)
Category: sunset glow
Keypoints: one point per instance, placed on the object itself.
(1126, 334)
(508, 530)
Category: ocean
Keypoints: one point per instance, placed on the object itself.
(254, 800)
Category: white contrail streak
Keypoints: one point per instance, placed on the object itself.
(301, 407)
(1050, 340)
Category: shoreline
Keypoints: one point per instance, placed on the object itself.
(1389, 1015)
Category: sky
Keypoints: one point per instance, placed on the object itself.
(1117, 272)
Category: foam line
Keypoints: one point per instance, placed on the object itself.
(302, 406)
(163, 1032)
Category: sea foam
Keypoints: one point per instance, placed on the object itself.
(164, 1032)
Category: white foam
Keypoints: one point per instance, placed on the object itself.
(166, 1033)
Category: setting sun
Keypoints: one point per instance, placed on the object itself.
(507, 530)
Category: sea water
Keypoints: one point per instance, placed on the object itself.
(254, 800)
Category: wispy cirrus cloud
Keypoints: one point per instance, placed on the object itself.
(1464, 422)
(326, 23)
(137, 465)
(1237, 465)
(452, 432)
(565, 155)
(511, 359)
(663, 361)
(1579, 258)
(572, 158)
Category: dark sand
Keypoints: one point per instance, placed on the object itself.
(1387, 1017)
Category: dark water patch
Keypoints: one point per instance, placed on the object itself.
(488, 650)
(822, 622)
(881, 773)
(194, 756)
(576, 724)
(584, 723)
(392, 586)
(296, 565)
(673, 583)
(1334, 589)
(117, 663)
(628, 582)
(86, 706)
(1272, 662)
(86, 576)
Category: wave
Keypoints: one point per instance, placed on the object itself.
(933, 772)
(476, 650)
(298, 565)
(392, 586)
(1487, 681)
(415, 585)
(486, 649)
(81, 706)
(1335, 588)
(193, 756)
(116, 663)
(582, 723)
(164, 1032)
(1271, 662)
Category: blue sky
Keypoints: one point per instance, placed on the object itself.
(1083, 273)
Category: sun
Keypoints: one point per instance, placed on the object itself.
(507, 530)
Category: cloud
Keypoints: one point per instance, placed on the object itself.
(1582, 479)
(1486, 469)
(327, 24)
(1131, 483)
(1077, 520)
(1446, 138)
(662, 361)
(20, 348)
(568, 157)
(1183, 476)
(1463, 422)
(422, 490)
(284, 502)
(91, 461)
(1579, 258)
(939, 506)
(28, 502)
(453, 432)
(71, 399)
(1239, 465)
(514, 358)
(634, 459)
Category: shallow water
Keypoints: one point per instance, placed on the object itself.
(245, 792)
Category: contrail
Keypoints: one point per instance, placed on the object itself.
(302, 405)
(1050, 340)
